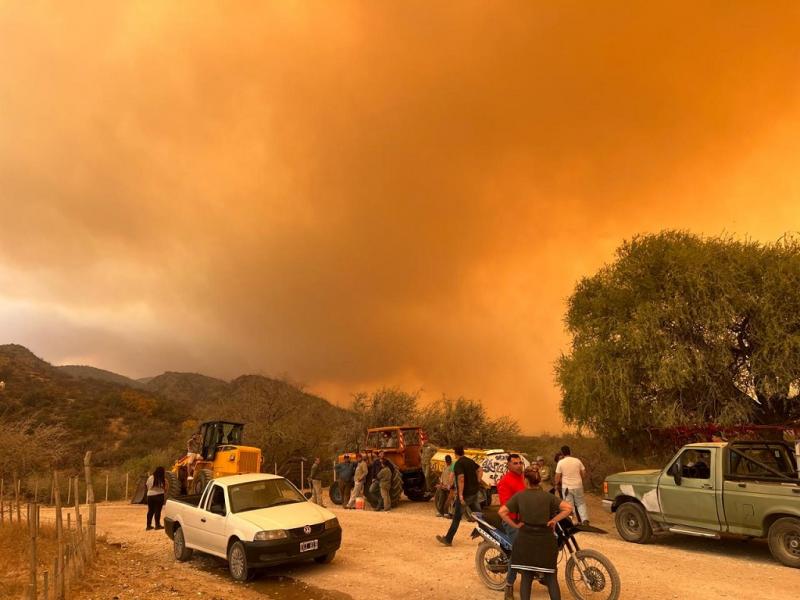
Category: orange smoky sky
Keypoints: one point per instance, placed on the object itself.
(364, 193)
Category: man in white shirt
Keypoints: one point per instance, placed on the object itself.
(569, 476)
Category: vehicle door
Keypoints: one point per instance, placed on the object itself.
(213, 521)
(686, 490)
(193, 526)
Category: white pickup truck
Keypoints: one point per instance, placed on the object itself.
(253, 521)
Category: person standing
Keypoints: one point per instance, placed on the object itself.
(428, 450)
(535, 548)
(345, 473)
(359, 480)
(316, 483)
(156, 493)
(569, 476)
(385, 482)
(467, 475)
(511, 483)
(443, 487)
(545, 474)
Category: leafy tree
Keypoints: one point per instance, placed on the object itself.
(452, 421)
(684, 330)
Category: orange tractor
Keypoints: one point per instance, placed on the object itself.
(402, 446)
(221, 453)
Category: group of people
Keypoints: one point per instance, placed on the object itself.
(529, 511)
(370, 471)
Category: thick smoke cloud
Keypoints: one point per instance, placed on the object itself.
(365, 193)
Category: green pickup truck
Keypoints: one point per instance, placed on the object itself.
(749, 489)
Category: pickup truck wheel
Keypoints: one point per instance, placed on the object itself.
(784, 541)
(325, 558)
(632, 523)
(182, 553)
(237, 562)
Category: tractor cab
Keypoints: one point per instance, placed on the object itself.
(221, 453)
(215, 434)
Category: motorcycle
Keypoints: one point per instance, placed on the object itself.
(588, 573)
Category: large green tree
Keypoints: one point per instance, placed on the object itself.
(684, 330)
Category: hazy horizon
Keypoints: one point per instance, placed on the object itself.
(357, 195)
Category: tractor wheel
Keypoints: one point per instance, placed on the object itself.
(173, 485)
(335, 493)
(201, 480)
(397, 488)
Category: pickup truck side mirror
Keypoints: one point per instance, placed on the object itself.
(675, 471)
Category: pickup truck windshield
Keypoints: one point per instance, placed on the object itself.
(262, 494)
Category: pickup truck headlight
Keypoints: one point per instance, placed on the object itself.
(332, 523)
(275, 534)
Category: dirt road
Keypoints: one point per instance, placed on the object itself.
(394, 555)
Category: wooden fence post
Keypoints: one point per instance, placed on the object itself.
(46, 585)
(106, 487)
(69, 491)
(58, 571)
(19, 509)
(33, 530)
(55, 578)
(87, 464)
(126, 485)
(36, 490)
(79, 527)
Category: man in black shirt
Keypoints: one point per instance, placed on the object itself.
(468, 475)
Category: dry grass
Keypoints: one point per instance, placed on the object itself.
(15, 556)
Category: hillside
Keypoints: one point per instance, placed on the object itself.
(188, 390)
(120, 418)
(113, 420)
(87, 372)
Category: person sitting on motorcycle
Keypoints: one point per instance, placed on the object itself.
(535, 549)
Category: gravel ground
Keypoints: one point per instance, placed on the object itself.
(395, 555)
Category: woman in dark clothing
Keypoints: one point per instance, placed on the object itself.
(156, 490)
(535, 548)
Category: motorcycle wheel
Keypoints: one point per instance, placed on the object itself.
(493, 579)
(590, 574)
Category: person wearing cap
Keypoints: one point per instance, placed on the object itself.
(345, 473)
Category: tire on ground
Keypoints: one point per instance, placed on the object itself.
(784, 541)
(237, 562)
(632, 523)
(182, 553)
(335, 493)
(573, 576)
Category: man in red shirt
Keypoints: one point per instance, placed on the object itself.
(511, 483)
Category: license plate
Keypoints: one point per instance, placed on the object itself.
(309, 545)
